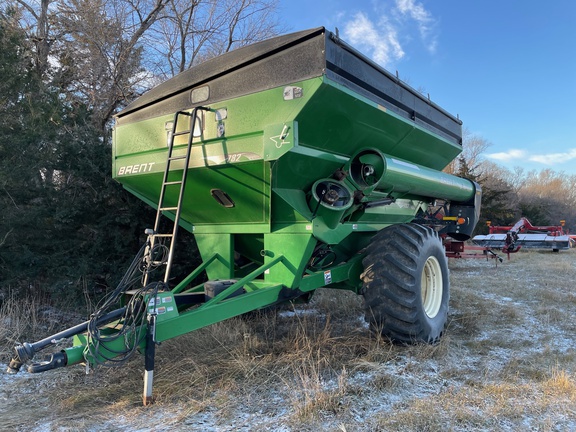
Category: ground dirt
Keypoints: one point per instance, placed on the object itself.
(506, 362)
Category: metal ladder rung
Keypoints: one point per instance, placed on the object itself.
(176, 182)
(186, 132)
(171, 158)
(163, 235)
(168, 208)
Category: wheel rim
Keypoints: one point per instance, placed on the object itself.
(432, 287)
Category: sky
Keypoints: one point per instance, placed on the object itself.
(507, 68)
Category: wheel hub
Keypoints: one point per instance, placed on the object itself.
(432, 287)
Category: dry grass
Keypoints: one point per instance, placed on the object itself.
(507, 362)
(27, 319)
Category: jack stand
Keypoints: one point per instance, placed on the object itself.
(149, 360)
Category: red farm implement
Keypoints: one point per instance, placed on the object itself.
(525, 235)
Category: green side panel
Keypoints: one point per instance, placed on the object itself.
(290, 207)
(222, 246)
(296, 249)
(245, 183)
(340, 121)
(302, 166)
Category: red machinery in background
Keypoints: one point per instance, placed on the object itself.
(459, 249)
(523, 234)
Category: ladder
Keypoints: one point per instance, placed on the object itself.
(168, 239)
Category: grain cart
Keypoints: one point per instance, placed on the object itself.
(297, 163)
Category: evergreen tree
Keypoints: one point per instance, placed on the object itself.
(499, 201)
(66, 227)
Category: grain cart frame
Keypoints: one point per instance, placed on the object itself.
(297, 163)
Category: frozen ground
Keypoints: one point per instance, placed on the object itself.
(508, 362)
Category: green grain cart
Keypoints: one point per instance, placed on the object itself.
(297, 163)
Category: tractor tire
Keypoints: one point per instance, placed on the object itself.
(406, 286)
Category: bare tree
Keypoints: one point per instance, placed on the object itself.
(37, 19)
(499, 199)
(102, 49)
(89, 48)
(194, 31)
(473, 146)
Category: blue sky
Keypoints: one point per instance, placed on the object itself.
(506, 67)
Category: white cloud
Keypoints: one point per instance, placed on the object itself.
(382, 42)
(554, 158)
(380, 31)
(519, 156)
(426, 24)
(510, 155)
